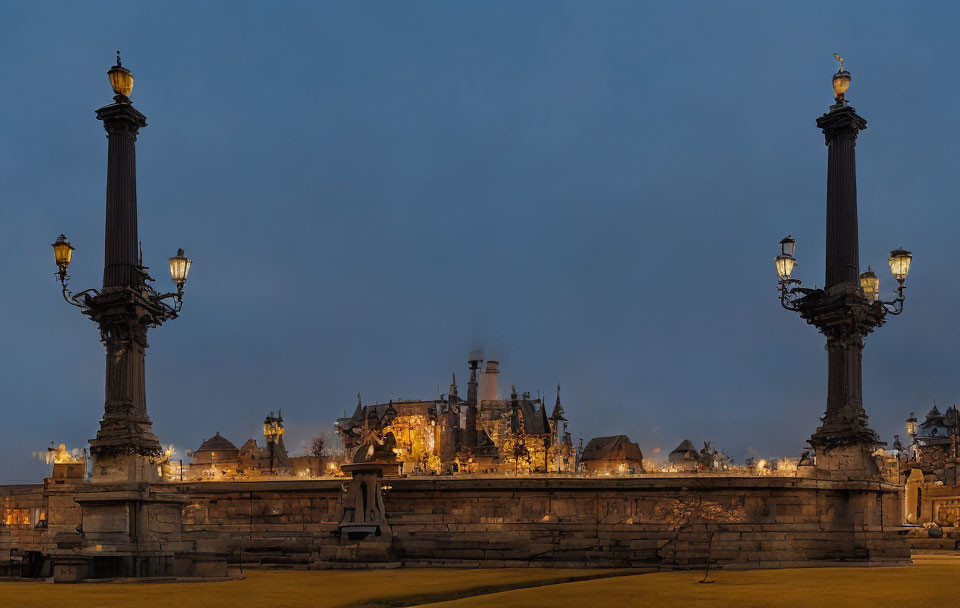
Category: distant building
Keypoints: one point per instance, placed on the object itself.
(935, 439)
(685, 457)
(612, 455)
(481, 433)
(216, 452)
(218, 457)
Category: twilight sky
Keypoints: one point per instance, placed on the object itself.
(591, 192)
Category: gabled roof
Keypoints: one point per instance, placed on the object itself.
(217, 443)
(684, 451)
(614, 446)
(534, 418)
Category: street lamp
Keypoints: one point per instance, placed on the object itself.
(785, 261)
(790, 297)
(900, 263)
(848, 307)
(841, 81)
(912, 425)
(63, 253)
(179, 269)
(126, 306)
(870, 284)
(161, 311)
(120, 79)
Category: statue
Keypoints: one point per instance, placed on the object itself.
(840, 59)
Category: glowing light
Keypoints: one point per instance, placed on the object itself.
(121, 80)
(180, 268)
(785, 266)
(870, 284)
(63, 252)
(899, 261)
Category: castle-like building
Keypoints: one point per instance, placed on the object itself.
(934, 441)
(219, 458)
(481, 433)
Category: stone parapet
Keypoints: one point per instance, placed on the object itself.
(447, 521)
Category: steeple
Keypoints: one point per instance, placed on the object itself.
(359, 411)
(453, 389)
(557, 408)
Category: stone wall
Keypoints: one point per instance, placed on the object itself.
(575, 522)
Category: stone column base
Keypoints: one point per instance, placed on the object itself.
(849, 462)
(124, 467)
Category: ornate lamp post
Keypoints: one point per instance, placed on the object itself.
(126, 306)
(847, 308)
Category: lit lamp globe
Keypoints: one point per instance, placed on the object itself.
(179, 269)
(841, 82)
(900, 263)
(120, 79)
(63, 253)
(785, 261)
(870, 284)
(912, 424)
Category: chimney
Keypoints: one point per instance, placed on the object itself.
(475, 358)
(470, 415)
(488, 382)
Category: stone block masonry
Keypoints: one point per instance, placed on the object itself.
(746, 522)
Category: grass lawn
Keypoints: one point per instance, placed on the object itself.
(930, 582)
(276, 589)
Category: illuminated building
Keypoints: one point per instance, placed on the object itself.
(612, 455)
(481, 434)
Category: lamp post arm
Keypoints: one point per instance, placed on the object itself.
(895, 306)
(789, 295)
(74, 299)
(177, 296)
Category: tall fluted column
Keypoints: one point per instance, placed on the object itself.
(120, 253)
(840, 128)
(836, 310)
(119, 310)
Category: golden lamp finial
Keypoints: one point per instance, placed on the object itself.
(841, 82)
(120, 79)
(839, 58)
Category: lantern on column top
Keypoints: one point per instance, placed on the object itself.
(120, 79)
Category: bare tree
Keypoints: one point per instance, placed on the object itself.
(318, 445)
(690, 509)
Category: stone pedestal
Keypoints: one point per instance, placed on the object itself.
(911, 502)
(850, 462)
(114, 468)
(124, 530)
(363, 532)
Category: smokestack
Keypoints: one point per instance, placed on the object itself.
(488, 382)
(470, 417)
(475, 358)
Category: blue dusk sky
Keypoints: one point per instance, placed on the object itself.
(591, 192)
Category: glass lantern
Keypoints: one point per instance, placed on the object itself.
(841, 82)
(900, 263)
(785, 266)
(120, 79)
(63, 252)
(180, 268)
(912, 424)
(870, 284)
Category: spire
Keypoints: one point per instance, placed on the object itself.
(557, 408)
(453, 388)
(359, 411)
